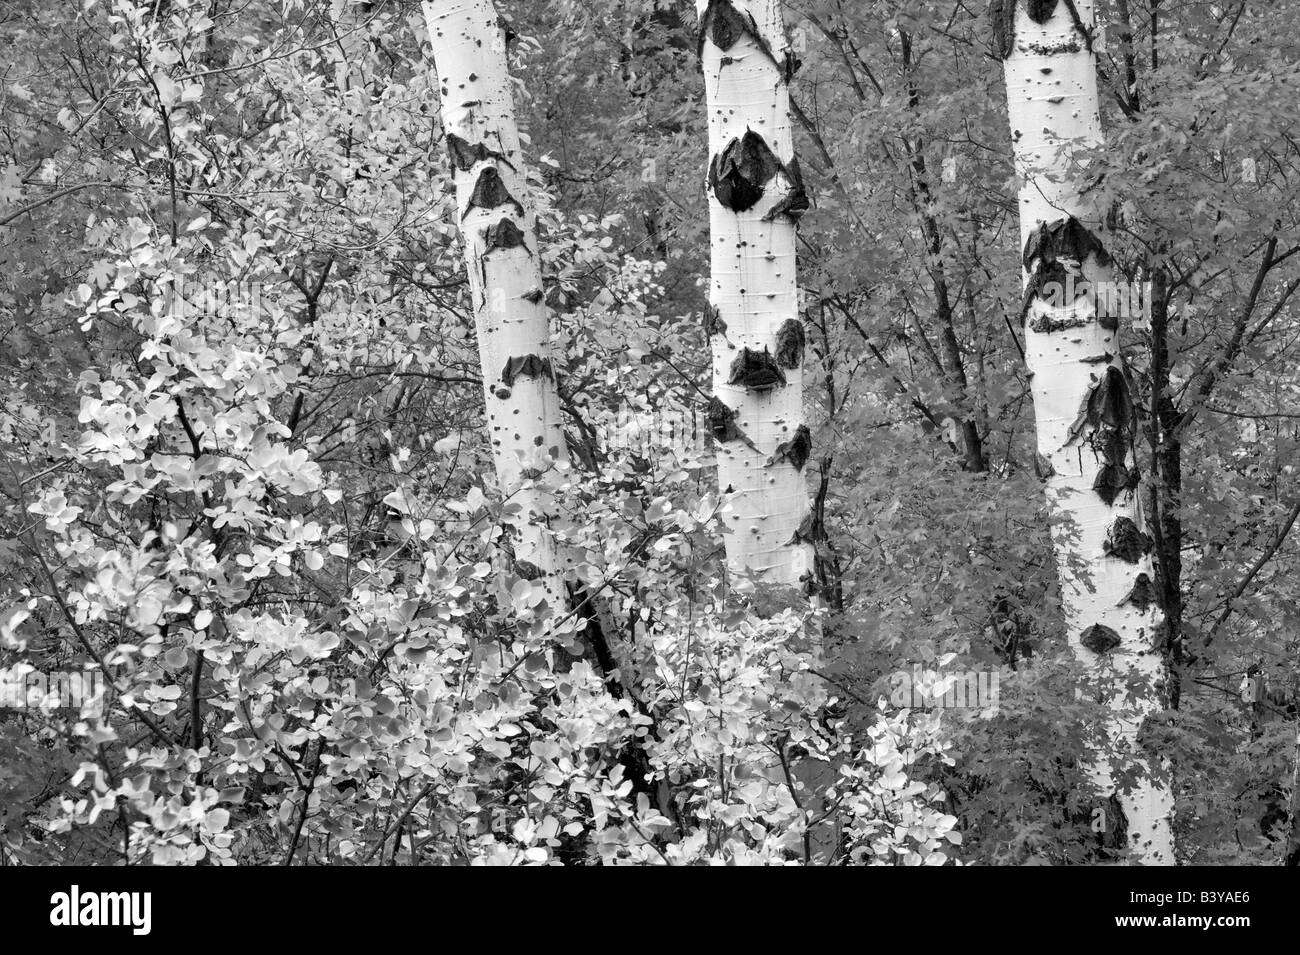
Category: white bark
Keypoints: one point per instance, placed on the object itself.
(1053, 108)
(499, 231)
(754, 285)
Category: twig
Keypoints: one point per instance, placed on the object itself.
(1264, 558)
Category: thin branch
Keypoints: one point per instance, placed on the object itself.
(1264, 558)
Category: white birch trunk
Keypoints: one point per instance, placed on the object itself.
(755, 197)
(1085, 415)
(499, 231)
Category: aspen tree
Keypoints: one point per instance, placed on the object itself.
(756, 196)
(505, 276)
(499, 231)
(1083, 401)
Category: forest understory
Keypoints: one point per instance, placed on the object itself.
(649, 432)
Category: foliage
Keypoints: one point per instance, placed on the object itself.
(243, 470)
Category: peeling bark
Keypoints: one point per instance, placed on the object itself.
(797, 450)
(1109, 421)
(794, 200)
(713, 323)
(806, 532)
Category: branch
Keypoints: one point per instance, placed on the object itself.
(1220, 368)
(306, 805)
(90, 647)
(52, 197)
(1264, 558)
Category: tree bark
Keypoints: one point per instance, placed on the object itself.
(1083, 404)
(499, 231)
(952, 363)
(1291, 852)
(756, 333)
(1165, 521)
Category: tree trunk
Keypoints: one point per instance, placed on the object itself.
(1291, 853)
(1083, 402)
(951, 363)
(755, 197)
(501, 255)
(1165, 521)
(511, 322)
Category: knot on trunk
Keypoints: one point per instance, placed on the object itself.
(1040, 11)
(1143, 594)
(1110, 822)
(527, 570)
(464, 155)
(1100, 638)
(1125, 542)
(1056, 254)
(1002, 23)
(525, 366)
(740, 174)
(1114, 479)
(490, 192)
(503, 234)
(757, 371)
(797, 449)
(790, 344)
(721, 421)
(726, 26)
